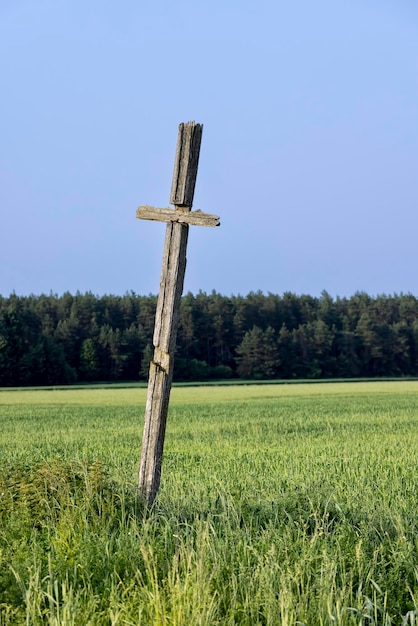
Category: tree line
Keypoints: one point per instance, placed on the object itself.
(51, 339)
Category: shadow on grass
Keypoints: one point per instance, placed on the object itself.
(41, 494)
(52, 514)
(71, 523)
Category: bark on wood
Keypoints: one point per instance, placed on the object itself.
(196, 218)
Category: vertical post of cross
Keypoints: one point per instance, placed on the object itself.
(168, 307)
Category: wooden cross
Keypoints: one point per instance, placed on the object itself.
(168, 303)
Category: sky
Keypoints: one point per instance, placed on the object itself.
(309, 152)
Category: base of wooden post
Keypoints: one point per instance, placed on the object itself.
(154, 432)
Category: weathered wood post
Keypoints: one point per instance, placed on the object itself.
(168, 304)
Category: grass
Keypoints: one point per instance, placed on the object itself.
(279, 505)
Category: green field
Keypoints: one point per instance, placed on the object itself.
(279, 505)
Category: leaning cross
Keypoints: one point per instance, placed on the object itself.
(168, 304)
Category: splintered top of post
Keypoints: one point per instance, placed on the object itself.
(186, 163)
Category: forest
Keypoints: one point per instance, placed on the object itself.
(55, 340)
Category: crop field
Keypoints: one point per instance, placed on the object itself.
(280, 504)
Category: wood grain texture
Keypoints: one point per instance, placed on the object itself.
(168, 303)
(161, 368)
(168, 307)
(185, 164)
(194, 218)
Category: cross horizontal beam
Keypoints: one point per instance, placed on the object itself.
(195, 218)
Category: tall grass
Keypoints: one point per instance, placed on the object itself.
(279, 505)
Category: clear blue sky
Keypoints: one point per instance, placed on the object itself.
(309, 151)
